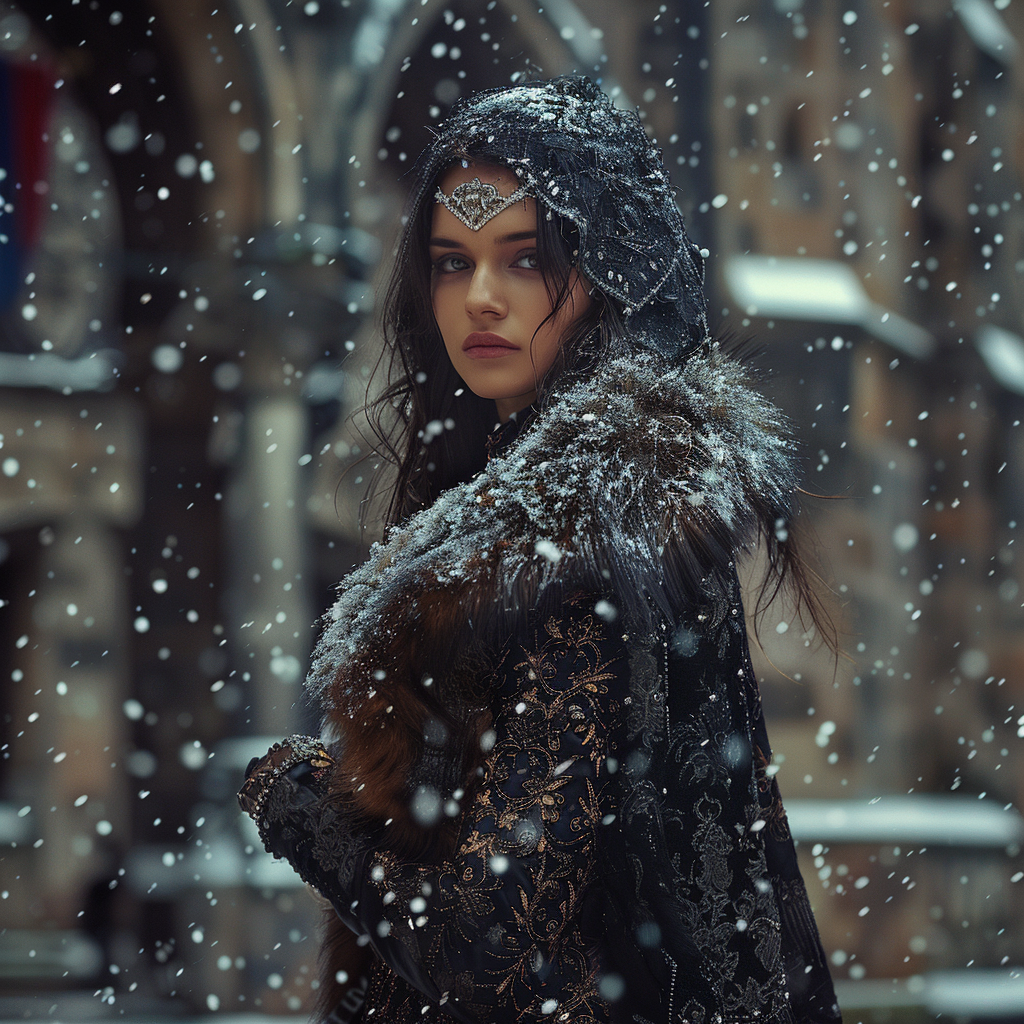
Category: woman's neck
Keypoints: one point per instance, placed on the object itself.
(508, 407)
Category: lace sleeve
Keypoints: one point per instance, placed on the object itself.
(285, 794)
(499, 933)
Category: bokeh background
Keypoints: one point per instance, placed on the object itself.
(199, 198)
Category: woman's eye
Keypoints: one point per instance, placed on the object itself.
(450, 264)
(528, 261)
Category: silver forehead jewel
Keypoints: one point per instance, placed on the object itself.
(475, 202)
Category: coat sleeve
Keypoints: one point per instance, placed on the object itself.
(500, 932)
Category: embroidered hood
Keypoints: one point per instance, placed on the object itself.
(638, 484)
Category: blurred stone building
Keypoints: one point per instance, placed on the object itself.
(201, 198)
(886, 138)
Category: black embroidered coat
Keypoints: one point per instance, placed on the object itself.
(544, 792)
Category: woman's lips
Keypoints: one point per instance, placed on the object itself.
(487, 346)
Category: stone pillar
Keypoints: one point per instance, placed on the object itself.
(269, 599)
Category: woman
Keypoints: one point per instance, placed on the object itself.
(543, 791)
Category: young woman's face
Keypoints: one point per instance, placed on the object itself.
(490, 298)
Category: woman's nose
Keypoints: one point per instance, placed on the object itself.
(485, 295)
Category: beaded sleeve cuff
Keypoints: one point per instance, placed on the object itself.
(278, 761)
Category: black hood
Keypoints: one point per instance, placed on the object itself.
(592, 163)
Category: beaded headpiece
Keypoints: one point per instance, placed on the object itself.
(591, 163)
(475, 202)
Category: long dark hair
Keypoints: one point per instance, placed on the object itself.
(431, 430)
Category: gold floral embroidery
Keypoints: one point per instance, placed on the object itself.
(501, 924)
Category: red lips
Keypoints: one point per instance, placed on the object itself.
(482, 345)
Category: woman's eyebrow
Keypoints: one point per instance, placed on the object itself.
(517, 236)
(445, 243)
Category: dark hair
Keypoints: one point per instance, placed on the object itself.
(430, 427)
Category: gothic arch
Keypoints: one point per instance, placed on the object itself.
(557, 40)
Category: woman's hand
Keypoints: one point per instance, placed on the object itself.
(282, 757)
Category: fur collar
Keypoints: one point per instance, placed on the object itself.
(639, 483)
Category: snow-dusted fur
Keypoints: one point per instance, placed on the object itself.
(639, 483)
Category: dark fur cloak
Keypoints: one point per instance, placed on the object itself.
(638, 484)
